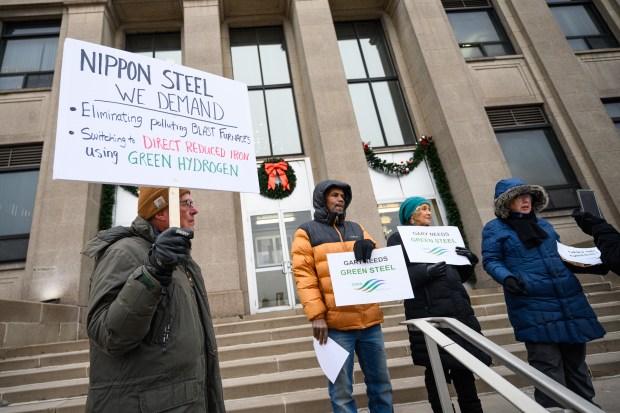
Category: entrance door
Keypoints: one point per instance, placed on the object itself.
(268, 229)
(272, 239)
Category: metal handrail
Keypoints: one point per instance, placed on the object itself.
(434, 338)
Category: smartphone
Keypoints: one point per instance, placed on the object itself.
(588, 202)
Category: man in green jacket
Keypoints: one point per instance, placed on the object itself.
(152, 343)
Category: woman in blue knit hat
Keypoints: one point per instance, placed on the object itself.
(439, 292)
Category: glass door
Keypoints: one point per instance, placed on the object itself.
(272, 236)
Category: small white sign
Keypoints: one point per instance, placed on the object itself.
(331, 357)
(433, 244)
(585, 256)
(383, 278)
(129, 119)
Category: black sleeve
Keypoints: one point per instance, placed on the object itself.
(465, 271)
(607, 240)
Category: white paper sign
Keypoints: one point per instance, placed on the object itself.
(433, 244)
(587, 256)
(383, 278)
(129, 119)
(331, 357)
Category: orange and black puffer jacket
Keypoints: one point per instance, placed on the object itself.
(328, 233)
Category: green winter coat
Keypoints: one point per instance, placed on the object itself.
(151, 350)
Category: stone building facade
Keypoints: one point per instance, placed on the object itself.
(527, 88)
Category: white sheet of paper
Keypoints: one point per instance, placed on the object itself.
(433, 244)
(588, 256)
(331, 357)
(383, 278)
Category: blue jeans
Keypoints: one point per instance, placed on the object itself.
(368, 345)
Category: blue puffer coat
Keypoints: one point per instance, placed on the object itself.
(555, 309)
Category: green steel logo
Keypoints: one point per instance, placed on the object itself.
(437, 251)
(371, 285)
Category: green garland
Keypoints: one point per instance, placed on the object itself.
(108, 198)
(279, 192)
(425, 149)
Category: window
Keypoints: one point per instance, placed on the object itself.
(19, 175)
(582, 25)
(260, 61)
(534, 154)
(613, 108)
(380, 110)
(28, 54)
(163, 46)
(477, 28)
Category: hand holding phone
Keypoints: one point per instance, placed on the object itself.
(588, 202)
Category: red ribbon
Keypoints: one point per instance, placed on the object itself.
(279, 168)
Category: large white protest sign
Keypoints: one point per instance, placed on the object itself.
(433, 244)
(383, 278)
(583, 256)
(128, 119)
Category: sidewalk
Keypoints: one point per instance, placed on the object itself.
(607, 396)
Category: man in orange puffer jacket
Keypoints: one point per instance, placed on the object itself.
(357, 328)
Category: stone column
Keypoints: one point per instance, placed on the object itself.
(334, 141)
(66, 213)
(452, 113)
(218, 245)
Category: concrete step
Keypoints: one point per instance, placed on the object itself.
(43, 360)
(268, 362)
(243, 378)
(406, 390)
(273, 365)
(49, 348)
(45, 391)
(44, 374)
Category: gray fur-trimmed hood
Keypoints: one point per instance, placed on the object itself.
(508, 189)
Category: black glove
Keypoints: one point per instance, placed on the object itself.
(473, 260)
(514, 286)
(170, 247)
(586, 220)
(436, 270)
(363, 249)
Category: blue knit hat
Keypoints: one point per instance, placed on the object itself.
(408, 207)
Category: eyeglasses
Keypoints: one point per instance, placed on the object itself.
(188, 203)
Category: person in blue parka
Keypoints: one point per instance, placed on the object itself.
(546, 303)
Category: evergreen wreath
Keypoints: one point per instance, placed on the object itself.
(269, 187)
(425, 149)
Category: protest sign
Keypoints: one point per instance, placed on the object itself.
(128, 119)
(383, 278)
(433, 244)
(580, 256)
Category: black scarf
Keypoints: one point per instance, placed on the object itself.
(527, 229)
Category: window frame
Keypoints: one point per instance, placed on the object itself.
(153, 36)
(4, 37)
(554, 144)
(614, 119)
(496, 22)
(263, 88)
(21, 165)
(387, 79)
(599, 22)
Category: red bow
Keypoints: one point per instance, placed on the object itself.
(279, 168)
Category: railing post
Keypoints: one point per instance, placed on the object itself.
(438, 374)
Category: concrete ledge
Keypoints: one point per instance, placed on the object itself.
(25, 323)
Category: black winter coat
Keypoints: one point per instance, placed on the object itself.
(607, 240)
(441, 297)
